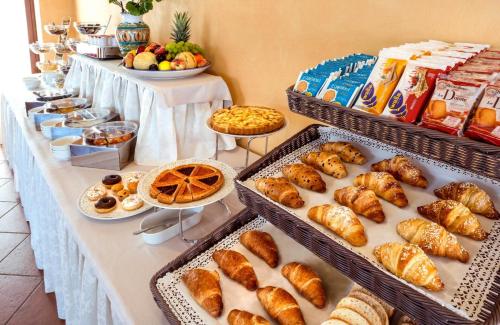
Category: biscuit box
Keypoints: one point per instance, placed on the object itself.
(486, 121)
(450, 105)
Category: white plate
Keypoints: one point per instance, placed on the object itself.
(170, 74)
(246, 136)
(87, 207)
(228, 172)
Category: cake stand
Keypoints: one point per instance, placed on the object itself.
(218, 197)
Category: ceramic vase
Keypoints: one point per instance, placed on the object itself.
(131, 33)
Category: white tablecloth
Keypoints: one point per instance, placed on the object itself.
(99, 271)
(172, 113)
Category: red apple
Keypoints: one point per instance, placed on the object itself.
(141, 49)
(160, 50)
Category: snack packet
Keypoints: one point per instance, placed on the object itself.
(486, 121)
(450, 105)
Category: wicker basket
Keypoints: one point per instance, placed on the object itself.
(481, 158)
(395, 292)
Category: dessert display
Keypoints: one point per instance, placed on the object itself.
(110, 133)
(237, 267)
(205, 287)
(304, 176)
(241, 317)
(306, 281)
(327, 162)
(385, 186)
(280, 190)
(280, 305)
(470, 195)
(342, 221)
(261, 244)
(409, 262)
(402, 169)
(105, 204)
(88, 28)
(455, 217)
(346, 151)
(246, 120)
(186, 183)
(432, 238)
(361, 200)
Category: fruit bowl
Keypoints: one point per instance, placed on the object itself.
(169, 74)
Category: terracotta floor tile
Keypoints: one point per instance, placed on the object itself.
(5, 207)
(14, 221)
(5, 171)
(8, 192)
(8, 242)
(21, 261)
(13, 292)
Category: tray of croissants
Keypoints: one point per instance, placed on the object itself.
(429, 225)
(250, 272)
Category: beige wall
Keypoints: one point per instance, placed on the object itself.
(259, 46)
(53, 11)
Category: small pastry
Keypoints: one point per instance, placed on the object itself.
(403, 170)
(236, 266)
(132, 202)
(111, 180)
(385, 186)
(242, 317)
(280, 305)
(132, 183)
(306, 281)
(346, 151)
(122, 194)
(304, 176)
(96, 192)
(105, 204)
(280, 190)
(205, 288)
(117, 187)
(261, 244)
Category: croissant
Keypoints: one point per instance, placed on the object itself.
(362, 201)
(205, 288)
(455, 217)
(280, 305)
(306, 282)
(409, 262)
(237, 267)
(470, 195)
(241, 317)
(305, 177)
(432, 238)
(280, 190)
(385, 186)
(261, 244)
(346, 151)
(327, 162)
(341, 220)
(402, 169)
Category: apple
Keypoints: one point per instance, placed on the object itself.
(188, 58)
(178, 64)
(160, 50)
(152, 47)
(140, 49)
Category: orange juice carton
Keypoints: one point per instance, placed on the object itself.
(485, 124)
(451, 104)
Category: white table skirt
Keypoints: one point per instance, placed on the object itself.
(172, 113)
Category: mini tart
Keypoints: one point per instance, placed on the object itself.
(132, 202)
(117, 187)
(246, 120)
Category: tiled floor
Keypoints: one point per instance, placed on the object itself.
(22, 295)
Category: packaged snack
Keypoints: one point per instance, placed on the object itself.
(486, 121)
(451, 104)
(413, 91)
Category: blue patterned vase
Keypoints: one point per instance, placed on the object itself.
(131, 33)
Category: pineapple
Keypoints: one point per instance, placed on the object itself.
(181, 29)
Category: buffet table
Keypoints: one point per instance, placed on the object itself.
(99, 271)
(168, 110)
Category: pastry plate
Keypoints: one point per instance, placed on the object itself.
(87, 207)
(168, 287)
(228, 172)
(246, 136)
(170, 74)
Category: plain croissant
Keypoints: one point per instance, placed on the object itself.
(306, 282)
(346, 151)
(280, 305)
(341, 220)
(261, 244)
(304, 176)
(362, 201)
(205, 288)
(327, 162)
(241, 317)
(432, 238)
(402, 169)
(280, 190)
(385, 186)
(237, 267)
(409, 262)
(470, 195)
(455, 217)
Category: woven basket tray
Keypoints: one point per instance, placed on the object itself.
(481, 158)
(354, 266)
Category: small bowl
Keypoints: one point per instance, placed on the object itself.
(31, 83)
(60, 147)
(47, 125)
